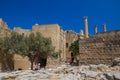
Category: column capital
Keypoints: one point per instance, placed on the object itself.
(85, 17)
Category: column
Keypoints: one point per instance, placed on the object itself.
(104, 27)
(86, 26)
(95, 29)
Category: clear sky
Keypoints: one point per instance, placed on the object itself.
(67, 13)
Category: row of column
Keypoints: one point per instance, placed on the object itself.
(95, 28)
(104, 28)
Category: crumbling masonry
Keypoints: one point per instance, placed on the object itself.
(101, 48)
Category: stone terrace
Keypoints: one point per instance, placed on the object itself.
(102, 48)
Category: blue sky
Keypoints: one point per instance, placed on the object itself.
(67, 13)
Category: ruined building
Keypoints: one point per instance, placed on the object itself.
(101, 48)
(54, 31)
(4, 30)
(71, 36)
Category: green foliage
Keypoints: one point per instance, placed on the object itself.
(32, 46)
(35, 46)
(7, 49)
(56, 55)
(74, 48)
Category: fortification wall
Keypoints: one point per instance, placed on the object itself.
(51, 31)
(102, 48)
(22, 31)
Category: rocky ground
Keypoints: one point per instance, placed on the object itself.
(66, 72)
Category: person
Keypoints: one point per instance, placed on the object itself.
(38, 66)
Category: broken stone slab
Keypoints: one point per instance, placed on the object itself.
(115, 62)
(91, 74)
(93, 67)
(4, 75)
(1, 78)
(26, 78)
(83, 68)
(102, 67)
(70, 77)
(43, 75)
(109, 76)
(117, 76)
(101, 77)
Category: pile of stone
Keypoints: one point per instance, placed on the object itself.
(66, 72)
(54, 63)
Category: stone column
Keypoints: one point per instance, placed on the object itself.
(95, 29)
(86, 26)
(104, 27)
(81, 34)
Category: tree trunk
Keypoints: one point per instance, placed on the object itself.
(3, 67)
(10, 62)
(31, 59)
(3, 63)
(31, 65)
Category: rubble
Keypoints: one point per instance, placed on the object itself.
(83, 72)
(116, 61)
(117, 76)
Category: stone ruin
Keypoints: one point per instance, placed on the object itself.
(4, 30)
(101, 48)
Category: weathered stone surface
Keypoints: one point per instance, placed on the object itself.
(109, 76)
(1, 78)
(71, 36)
(84, 72)
(116, 61)
(92, 74)
(117, 76)
(101, 48)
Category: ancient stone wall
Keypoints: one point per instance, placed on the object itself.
(53, 31)
(4, 30)
(21, 62)
(62, 41)
(102, 48)
(22, 31)
(71, 36)
(56, 34)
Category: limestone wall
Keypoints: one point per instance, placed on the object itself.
(56, 34)
(22, 31)
(71, 36)
(21, 62)
(62, 41)
(53, 31)
(4, 30)
(102, 48)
